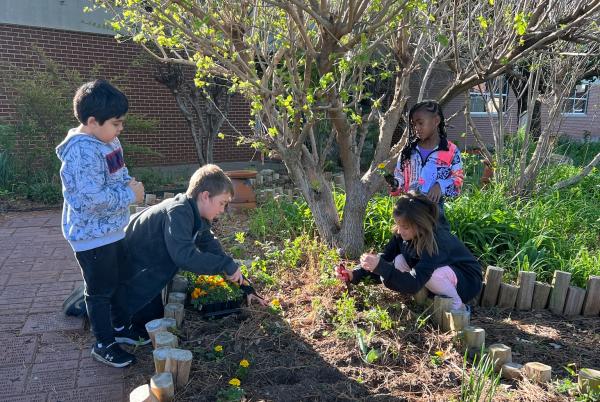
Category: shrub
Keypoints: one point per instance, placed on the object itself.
(44, 115)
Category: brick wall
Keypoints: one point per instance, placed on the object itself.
(577, 126)
(85, 51)
(458, 124)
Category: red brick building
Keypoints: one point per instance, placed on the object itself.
(61, 30)
(83, 46)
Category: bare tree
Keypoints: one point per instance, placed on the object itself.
(299, 62)
(550, 77)
(204, 108)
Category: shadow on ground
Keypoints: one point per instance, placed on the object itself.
(284, 367)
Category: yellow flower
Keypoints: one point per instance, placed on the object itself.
(235, 382)
(244, 363)
(218, 348)
(196, 293)
(439, 353)
(381, 166)
(275, 303)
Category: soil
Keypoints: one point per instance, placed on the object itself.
(297, 356)
(22, 204)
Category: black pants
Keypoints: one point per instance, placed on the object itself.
(144, 286)
(104, 271)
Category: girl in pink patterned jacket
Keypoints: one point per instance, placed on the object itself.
(429, 163)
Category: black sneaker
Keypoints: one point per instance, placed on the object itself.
(74, 305)
(131, 336)
(112, 355)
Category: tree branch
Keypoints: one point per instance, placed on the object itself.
(575, 179)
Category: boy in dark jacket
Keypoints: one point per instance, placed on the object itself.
(176, 234)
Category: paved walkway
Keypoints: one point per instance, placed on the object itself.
(44, 355)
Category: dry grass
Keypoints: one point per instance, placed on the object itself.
(297, 356)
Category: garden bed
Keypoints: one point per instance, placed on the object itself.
(301, 352)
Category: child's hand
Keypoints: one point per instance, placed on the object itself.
(400, 263)
(343, 274)
(435, 193)
(254, 297)
(369, 261)
(138, 189)
(236, 277)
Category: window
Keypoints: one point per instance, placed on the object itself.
(484, 95)
(576, 102)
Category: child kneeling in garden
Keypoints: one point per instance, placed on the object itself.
(421, 253)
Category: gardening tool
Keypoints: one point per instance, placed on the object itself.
(341, 270)
(392, 181)
(248, 289)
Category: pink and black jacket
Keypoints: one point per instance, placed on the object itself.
(443, 167)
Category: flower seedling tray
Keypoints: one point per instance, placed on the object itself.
(214, 297)
(220, 309)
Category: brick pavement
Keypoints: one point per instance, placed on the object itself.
(45, 355)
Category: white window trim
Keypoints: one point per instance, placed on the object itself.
(574, 98)
(494, 95)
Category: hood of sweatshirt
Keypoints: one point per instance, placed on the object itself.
(74, 136)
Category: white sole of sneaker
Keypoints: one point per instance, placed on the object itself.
(129, 341)
(103, 360)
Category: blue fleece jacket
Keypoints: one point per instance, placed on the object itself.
(95, 191)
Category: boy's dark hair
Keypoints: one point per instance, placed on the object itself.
(99, 99)
(432, 107)
(209, 178)
(421, 213)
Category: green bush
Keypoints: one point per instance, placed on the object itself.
(28, 163)
(554, 230)
(581, 152)
(45, 192)
(277, 219)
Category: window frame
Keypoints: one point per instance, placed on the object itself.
(573, 98)
(489, 97)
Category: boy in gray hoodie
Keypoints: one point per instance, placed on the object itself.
(97, 191)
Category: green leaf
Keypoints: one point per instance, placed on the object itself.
(372, 356)
(521, 22)
(360, 338)
(443, 39)
(483, 22)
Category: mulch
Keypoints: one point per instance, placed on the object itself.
(297, 356)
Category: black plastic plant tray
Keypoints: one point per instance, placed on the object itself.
(221, 309)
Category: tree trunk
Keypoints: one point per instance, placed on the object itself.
(318, 195)
(351, 237)
(536, 120)
(348, 235)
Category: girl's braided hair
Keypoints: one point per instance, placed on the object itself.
(432, 107)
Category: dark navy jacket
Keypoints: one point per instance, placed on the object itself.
(451, 251)
(165, 238)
